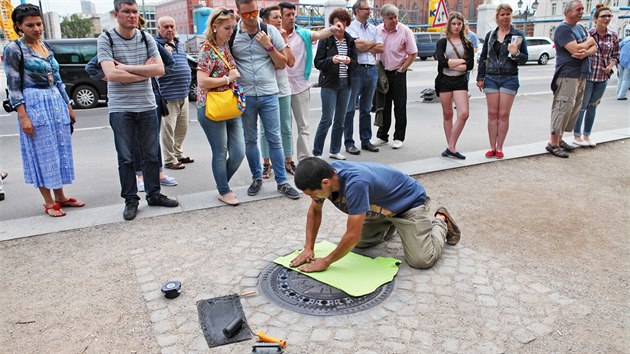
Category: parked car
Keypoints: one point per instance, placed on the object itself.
(426, 42)
(540, 49)
(74, 54)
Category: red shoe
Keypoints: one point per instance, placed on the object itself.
(499, 154)
(490, 153)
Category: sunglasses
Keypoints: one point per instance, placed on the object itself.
(247, 15)
(605, 16)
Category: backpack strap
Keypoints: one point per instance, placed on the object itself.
(263, 27)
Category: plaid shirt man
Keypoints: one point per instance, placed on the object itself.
(608, 49)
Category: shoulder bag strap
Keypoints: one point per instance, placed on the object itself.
(454, 48)
(221, 56)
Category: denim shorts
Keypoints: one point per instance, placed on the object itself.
(507, 84)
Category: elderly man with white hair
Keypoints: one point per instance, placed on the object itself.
(174, 88)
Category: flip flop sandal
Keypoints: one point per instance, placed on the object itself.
(70, 203)
(290, 167)
(56, 207)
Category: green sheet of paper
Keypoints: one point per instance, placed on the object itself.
(354, 274)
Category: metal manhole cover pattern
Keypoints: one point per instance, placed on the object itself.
(300, 293)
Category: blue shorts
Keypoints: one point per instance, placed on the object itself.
(507, 84)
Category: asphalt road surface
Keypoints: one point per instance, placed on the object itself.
(95, 157)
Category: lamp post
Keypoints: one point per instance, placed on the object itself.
(527, 11)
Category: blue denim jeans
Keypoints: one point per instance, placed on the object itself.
(137, 154)
(593, 93)
(334, 104)
(127, 126)
(228, 147)
(623, 83)
(268, 108)
(364, 81)
(285, 130)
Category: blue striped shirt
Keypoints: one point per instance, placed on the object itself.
(175, 85)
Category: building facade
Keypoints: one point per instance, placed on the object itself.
(52, 25)
(87, 7)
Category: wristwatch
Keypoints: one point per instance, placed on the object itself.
(270, 49)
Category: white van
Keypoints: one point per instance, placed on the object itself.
(540, 49)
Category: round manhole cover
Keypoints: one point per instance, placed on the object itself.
(299, 293)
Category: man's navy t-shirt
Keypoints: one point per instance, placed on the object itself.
(375, 190)
(566, 65)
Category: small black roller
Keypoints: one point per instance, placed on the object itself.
(233, 327)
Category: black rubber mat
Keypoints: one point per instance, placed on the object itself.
(216, 313)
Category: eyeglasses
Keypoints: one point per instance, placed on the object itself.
(605, 16)
(227, 12)
(129, 12)
(251, 14)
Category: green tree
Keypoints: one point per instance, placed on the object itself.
(74, 26)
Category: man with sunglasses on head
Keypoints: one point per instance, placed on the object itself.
(258, 54)
(301, 44)
(129, 59)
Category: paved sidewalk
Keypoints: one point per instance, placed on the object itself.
(542, 267)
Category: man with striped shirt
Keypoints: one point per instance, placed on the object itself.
(174, 88)
(129, 59)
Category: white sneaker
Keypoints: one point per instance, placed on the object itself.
(397, 144)
(337, 156)
(378, 142)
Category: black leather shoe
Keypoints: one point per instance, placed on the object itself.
(162, 200)
(131, 210)
(369, 147)
(353, 150)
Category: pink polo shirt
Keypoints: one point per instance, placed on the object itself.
(399, 44)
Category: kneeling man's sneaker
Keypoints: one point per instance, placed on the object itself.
(453, 234)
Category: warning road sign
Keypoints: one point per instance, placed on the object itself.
(441, 15)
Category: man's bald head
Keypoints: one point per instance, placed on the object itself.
(166, 27)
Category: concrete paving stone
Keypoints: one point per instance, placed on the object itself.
(424, 288)
(466, 308)
(157, 304)
(451, 345)
(513, 288)
(333, 322)
(166, 340)
(321, 335)
(448, 270)
(465, 269)
(190, 326)
(198, 344)
(560, 299)
(530, 298)
(389, 331)
(152, 295)
(275, 322)
(251, 257)
(360, 319)
(524, 336)
(466, 262)
(289, 317)
(502, 271)
(252, 273)
(422, 338)
(407, 285)
(366, 351)
(395, 347)
(463, 288)
(484, 290)
(540, 288)
(170, 350)
(255, 301)
(344, 334)
(377, 313)
(159, 315)
(277, 332)
(179, 317)
(142, 262)
(427, 298)
(258, 319)
(539, 329)
(421, 278)
(441, 280)
(487, 347)
(249, 282)
(344, 347)
(295, 337)
(443, 290)
(145, 279)
(272, 311)
(150, 287)
(136, 251)
(393, 305)
(163, 326)
(142, 271)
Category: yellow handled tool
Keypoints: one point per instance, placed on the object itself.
(262, 337)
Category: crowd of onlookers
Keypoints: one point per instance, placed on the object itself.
(266, 60)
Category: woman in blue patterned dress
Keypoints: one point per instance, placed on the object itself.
(39, 97)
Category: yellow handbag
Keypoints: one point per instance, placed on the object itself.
(227, 104)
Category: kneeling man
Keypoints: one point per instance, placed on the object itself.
(379, 201)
